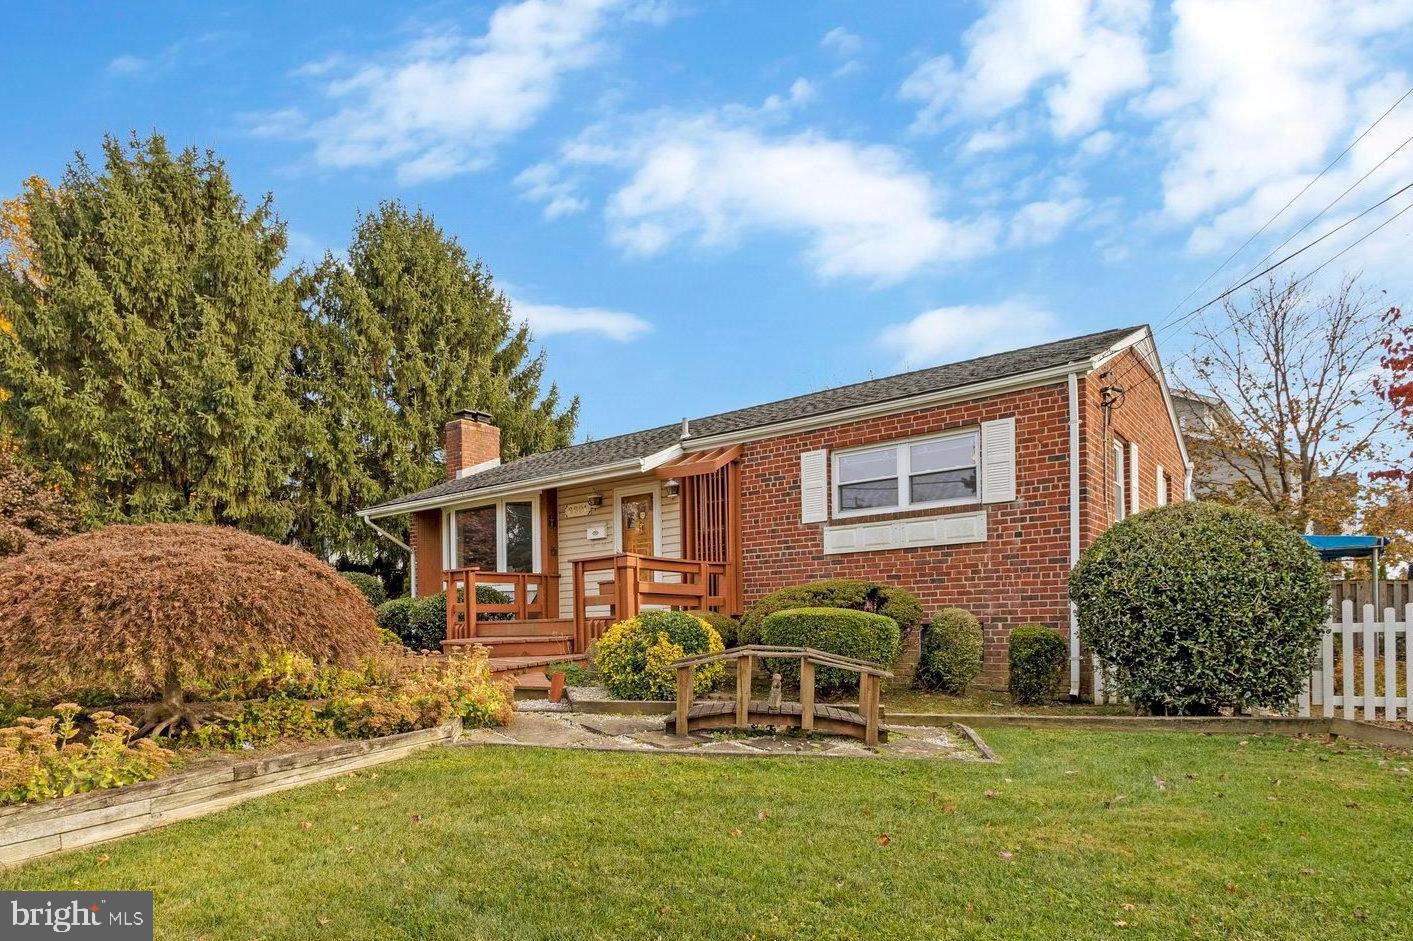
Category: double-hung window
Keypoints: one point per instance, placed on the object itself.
(908, 475)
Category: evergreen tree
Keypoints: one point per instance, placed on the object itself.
(396, 339)
(146, 363)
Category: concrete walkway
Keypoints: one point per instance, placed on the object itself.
(565, 729)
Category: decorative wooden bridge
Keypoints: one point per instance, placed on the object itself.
(806, 714)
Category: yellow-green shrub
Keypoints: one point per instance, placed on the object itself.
(39, 758)
(634, 658)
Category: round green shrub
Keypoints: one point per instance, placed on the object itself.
(1037, 655)
(951, 651)
(724, 625)
(634, 657)
(861, 635)
(897, 603)
(1199, 606)
(420, 623)
(396, 616)
(370, 585)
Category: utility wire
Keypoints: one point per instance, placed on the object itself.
(1302, 279)
(1280, 212)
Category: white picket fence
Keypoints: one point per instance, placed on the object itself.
(1345, 679)
(1337, 688)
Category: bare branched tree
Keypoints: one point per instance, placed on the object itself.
(1298, 413)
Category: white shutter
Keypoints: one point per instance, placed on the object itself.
(1161, 480)
(1133, 477)
(814, 486)
(998, 460)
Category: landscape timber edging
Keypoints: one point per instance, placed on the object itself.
(28, 831)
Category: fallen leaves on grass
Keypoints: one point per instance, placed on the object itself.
(884, 839)
(306, 825)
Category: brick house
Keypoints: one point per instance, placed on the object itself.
(974, 484)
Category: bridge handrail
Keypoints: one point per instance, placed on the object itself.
(820, 657)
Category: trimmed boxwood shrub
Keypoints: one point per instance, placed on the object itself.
(1199, 606)
(1037, 654)
(634, 657)
(951, 651)
(897, 603)
(726, 626)
(858, 634)
(420, 623)
(370, 585)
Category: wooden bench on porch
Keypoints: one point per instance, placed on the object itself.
(806, 714)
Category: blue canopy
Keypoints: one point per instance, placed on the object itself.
(1346, 547)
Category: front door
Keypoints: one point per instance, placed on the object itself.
(635, 522)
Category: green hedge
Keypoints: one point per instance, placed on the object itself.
(1037, 656)
(420, 623)
(858, 634)
(727, 627)
(1199, 606)
(896, 603)
(634, 657)
(951, 651)
(370, 585)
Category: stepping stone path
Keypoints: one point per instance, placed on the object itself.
(563, 728)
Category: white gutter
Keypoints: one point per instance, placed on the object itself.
(1073, 384)
(587, 476)
(384, 533)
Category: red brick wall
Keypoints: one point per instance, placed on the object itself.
(1019, 574)
(1141, 417)
(468, 442)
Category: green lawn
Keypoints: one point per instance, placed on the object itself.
(1173, 835)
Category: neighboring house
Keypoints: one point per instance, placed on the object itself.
(1219, 471)
(974, 485)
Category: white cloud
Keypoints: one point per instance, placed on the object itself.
(842, 43)
(128, 65)
(440, 105)
(551, 319)
(1260, 95)
(1084, 54)
(861, 210)
(944, 334)
(994, 138)
(543, 184)
(1040, 223)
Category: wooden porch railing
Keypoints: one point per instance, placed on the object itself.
(533, 595)
(623, 584)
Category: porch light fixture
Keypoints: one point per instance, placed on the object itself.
(672, 488)
(595, 500)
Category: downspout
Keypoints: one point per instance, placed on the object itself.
(1074, 526)
(411, 556)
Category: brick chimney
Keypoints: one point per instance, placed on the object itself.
(472, 443)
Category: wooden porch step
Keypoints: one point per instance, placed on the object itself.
(530, 628)
(532, 645)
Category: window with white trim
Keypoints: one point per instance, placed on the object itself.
(1120, 482)
(924, 472)
(495, 537)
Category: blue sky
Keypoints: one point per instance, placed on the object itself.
(702, 205)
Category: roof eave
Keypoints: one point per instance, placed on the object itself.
(641, 465)
(970, 391)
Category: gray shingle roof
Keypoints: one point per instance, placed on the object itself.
(640, 444)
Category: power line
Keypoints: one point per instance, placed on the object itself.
(1303, 278)
(1313, 219)
(1280, 212)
